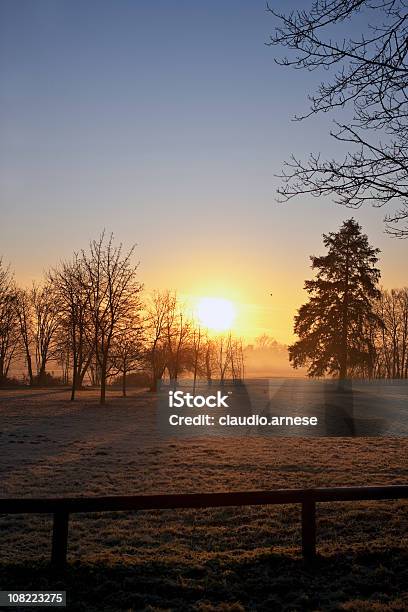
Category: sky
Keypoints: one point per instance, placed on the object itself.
(165, 123)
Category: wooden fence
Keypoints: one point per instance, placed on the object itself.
(61, 508)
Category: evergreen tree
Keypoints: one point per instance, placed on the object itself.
(332, 325)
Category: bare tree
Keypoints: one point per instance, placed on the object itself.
(9, 334)
(196, 342)
(69, 282)
(403, 304)
(112, 293)
(369, 79)
(209, 351)
(223, 355)
(177, 334)
(237, 359)
(392, 342)
(156, 350)
(128, 349)
(62, 354)
(229, 357)
(25, 321)
(45, 309)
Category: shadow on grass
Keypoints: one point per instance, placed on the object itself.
(375, 580)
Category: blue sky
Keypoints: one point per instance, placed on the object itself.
(164, 122)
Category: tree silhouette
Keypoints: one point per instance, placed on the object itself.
(392, 341)
(25, 321)
(113, 292)
(127, 348)
(369, 78)
(69, 282)
(45, 321)
(332, 325)
(8, 321)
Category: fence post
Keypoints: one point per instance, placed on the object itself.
(59, 539)
(309, 529)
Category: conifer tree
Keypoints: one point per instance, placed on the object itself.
(332, 326)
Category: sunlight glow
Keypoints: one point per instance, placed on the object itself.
(217, 314)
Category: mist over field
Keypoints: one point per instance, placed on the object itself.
(269, 358)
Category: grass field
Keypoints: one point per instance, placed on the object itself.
(220, 559)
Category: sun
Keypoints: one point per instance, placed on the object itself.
(216, 314)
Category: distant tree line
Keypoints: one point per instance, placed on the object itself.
(391, 340)
(90, 316)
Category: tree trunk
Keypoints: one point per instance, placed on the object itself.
(30, 368)
(103, 389)
(124, 383)
(41, 375)
(82, 371)
(345, 323)
(195, 376)
(103, 379)
(2, 375)
(157, 375)
(74, 378)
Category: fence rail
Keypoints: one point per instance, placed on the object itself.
(61, 508)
